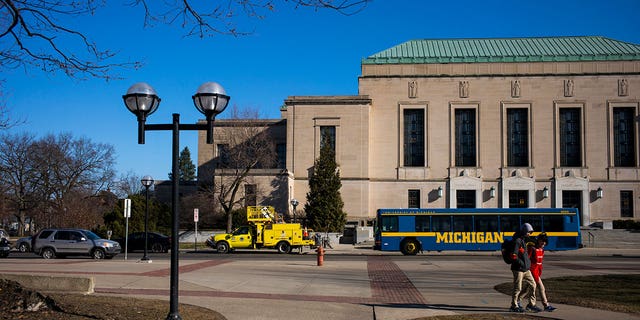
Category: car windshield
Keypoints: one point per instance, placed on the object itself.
(92, 235)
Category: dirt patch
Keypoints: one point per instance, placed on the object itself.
(17, 302)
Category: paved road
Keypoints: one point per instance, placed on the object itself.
(353, 283)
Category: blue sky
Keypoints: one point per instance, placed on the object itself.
(291, 52)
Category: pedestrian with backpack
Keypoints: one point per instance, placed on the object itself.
(522, 277)
(536, 254)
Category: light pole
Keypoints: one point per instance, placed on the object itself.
(294, 203)
(147, 181)
(141, 99)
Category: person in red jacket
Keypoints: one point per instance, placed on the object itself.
(536, 254)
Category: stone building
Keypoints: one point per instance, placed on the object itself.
(503, 123)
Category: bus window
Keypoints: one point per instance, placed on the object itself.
(486, 223)
(552, 224)
(422, 223)
(509, 223)
(534, 221)
(389, 224)
(441, 223)
(462, 223)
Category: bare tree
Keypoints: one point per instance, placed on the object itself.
(127, 184)
(18, 176)
(70, 169)
(34, 35)
(245, 144)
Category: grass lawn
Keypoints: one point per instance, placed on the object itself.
(619, 293)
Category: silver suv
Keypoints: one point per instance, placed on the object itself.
(51, 243)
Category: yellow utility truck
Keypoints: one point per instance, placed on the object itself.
(264, 230)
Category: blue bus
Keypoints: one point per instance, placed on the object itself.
(413, 230)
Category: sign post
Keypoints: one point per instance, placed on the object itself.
(127, 215)
(195, 219)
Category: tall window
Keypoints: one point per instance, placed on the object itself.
(626, 204)
(414, 137)
(466, 198)
(250, 194)
(465, 137)
(517, 137)
(328, 135)
(518, 198)
(414, 199)
(624, 142)
(281, 153)
(223, 155)
(570, 138)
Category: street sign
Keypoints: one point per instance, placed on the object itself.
(195, 215)
(127, 208)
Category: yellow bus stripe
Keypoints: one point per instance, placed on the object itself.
(433, 234)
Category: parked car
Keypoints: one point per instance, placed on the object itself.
(3, 234)
(157, 242)
(24, 244)
(51, 243)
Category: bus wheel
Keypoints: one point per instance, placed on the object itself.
(409, 247)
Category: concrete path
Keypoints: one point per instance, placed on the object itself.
(370, 286)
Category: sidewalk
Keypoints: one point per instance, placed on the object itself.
(368, 286)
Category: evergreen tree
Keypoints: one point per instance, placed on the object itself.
(186, 168)
(324, 207)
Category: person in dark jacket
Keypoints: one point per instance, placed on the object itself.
(521, 272)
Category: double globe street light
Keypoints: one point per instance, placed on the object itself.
(141, 99)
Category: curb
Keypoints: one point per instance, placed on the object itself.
(84, 285)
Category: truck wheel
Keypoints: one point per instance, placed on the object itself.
(283, 247)
(409, 247)
(222, 247)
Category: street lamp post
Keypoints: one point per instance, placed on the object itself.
(294, 203)
(147, 181)
(141, 99)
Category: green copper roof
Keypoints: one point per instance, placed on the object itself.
(560, 49)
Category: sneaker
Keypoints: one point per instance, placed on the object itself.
(549, 308)
(533, 308)
(516, 309)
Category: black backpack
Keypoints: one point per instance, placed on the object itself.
(507, 249)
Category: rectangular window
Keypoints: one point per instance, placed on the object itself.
(465, 139)
(441, 223)
(223, 155)
(570, 138)
(414, 199)
(626, 204)
(281, 153)
(486, 223)
(509, 223)
(414, 137)
(328, 136)
(462, 223)
(466, 198)
(389, 224)
(517, 137)
(518, 199)
(422, 223)
(624, 142)
(250, 195)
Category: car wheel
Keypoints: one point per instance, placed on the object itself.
(409, 247)
(222, 247)
(48, 253)
(23, 247)
(98, 254)
(283, 247)
(157, 248)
